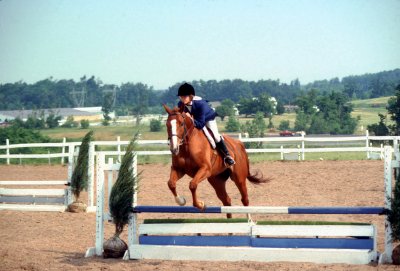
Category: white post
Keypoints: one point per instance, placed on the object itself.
(110, 179)
(119, 148)
(132, 224)
(281, 152)
(396, 149)
(302, 146)
(63, 150)
(100, 205)
(48, 152)
(134, 172)
(8, 150)
(387, 255)
(91, 168)
(299, 153)
(367, 142)
(70, 171)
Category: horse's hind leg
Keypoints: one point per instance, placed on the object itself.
(219, 184)
(240, 181)
(175, 175)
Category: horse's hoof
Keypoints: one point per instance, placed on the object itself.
(181, 201)
(201, 205)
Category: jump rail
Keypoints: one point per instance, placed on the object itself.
(251, 242)
(24, 199)
(34, 199)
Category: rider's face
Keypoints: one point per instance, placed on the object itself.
(185, 99)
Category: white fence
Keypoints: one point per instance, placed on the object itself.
(277, 143)
(304, 145)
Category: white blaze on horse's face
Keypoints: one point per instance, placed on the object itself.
(174, 138)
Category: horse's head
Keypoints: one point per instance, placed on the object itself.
(177, 128)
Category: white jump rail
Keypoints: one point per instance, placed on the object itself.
(24, 199)
(38, 199)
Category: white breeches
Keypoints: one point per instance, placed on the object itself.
(212, 124)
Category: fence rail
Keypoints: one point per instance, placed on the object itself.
(302, 148)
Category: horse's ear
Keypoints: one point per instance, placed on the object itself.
(167, 109)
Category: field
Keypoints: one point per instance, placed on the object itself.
(366, 110)
(58, 241)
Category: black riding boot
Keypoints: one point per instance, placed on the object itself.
(224, 150)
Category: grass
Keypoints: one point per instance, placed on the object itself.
(366, 110)
(105, 133)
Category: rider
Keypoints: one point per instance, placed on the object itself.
(202, 115)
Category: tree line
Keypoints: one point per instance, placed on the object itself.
(139, 98)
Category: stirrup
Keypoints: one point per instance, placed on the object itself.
(228, 161)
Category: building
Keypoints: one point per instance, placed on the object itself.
(81, 113)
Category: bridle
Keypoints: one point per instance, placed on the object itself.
(184, 138)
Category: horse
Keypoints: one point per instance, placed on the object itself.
(193, 155)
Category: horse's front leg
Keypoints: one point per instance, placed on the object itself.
(175, 175)
(202, 173)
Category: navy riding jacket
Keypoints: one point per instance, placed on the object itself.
(201, 111)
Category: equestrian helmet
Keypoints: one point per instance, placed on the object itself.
(185, 90)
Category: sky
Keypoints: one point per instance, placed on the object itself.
(160, 43)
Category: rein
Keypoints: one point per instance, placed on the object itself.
(186, 135)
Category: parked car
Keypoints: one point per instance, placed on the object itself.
(287, 133)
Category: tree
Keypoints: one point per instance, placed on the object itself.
(121, 199)
(108, 100)
(225, 109)
(35, 121)
(141, 102)
(280, 109)
(233, 125)
(301, 122)
(79, 179)
(255, 128)
(326, 113)
(393, 109)
(52, 121)
(155, 125)
(246, 106)
(394, 213)
(379, 129)
(284, 125)
(85, 124)
(70, 123)
(264, 104)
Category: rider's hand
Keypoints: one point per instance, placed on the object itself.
(188, 115)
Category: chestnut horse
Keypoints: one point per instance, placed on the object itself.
(193, 155)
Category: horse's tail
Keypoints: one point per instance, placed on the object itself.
(257, 178)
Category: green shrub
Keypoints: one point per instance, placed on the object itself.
(70, 123)
(155, 125)
(84, 124)
(284, 125)
(232, 125)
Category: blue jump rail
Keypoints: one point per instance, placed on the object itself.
(260, 210)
